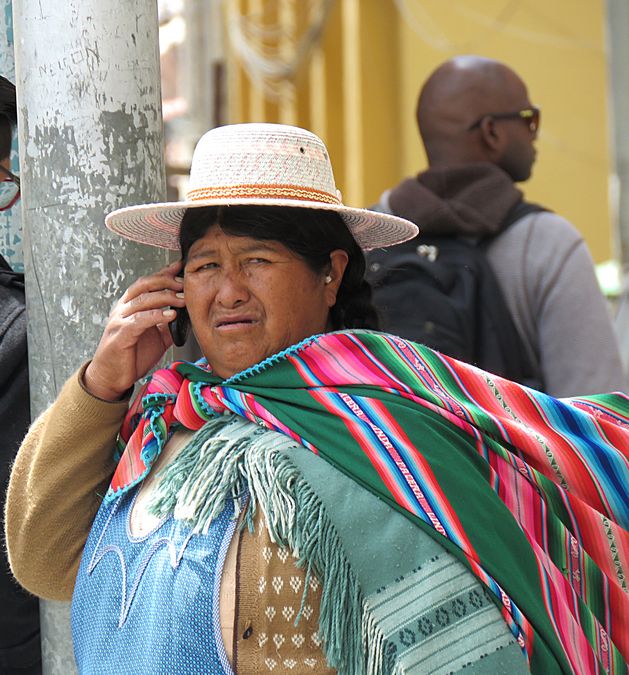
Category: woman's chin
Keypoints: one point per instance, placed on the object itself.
(230, 362)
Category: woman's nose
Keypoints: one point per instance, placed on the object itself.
(232, 288)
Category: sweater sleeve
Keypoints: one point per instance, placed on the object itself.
(547, 275)
(60, 474)
(578, 347)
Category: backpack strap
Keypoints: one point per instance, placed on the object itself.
(519, 366)
(530, 374)
(521, 209)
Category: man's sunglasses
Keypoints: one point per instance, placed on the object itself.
(530, 116)
(9, 189)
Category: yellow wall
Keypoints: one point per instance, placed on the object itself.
(359, 89)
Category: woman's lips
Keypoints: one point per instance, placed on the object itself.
(235, 323)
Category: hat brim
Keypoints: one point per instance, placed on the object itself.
(158, 224)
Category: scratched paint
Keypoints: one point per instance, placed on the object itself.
(90, 141)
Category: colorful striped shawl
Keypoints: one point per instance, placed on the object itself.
(528, 490)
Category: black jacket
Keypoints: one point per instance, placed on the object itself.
(19, 611)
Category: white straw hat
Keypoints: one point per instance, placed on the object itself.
(258, 164)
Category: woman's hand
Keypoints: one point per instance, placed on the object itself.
(136, 335)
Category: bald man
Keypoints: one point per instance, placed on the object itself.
(479, 129)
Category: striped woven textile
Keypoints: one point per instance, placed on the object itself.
(531, 492)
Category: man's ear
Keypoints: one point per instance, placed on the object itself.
(334, 277)
(491, 134)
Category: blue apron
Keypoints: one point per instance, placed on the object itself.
(150, 604)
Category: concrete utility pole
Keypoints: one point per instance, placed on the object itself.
(90, 141)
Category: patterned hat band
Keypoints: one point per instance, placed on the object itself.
(257, 191)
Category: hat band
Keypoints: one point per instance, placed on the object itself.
(257, 191)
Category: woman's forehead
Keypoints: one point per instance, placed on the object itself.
(216, 240)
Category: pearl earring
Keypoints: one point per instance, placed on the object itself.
(328, 279)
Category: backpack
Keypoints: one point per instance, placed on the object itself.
(442, 292)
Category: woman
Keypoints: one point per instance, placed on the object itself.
(441, 518)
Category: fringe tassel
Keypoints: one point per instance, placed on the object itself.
(229, 457)
(373, 644)
(204, 475)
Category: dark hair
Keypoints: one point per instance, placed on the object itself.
(8, 116)
(312, 234)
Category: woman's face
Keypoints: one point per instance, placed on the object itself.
(248, 299)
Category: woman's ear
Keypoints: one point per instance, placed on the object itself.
(334, 277)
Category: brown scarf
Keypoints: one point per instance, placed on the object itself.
(470, 200)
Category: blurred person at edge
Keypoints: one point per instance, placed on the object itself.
(479, 128)
(400, 511)
(20, 650)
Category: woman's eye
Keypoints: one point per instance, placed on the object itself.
(206, 266)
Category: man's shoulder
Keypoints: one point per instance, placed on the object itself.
(543, 226)
(535, 247)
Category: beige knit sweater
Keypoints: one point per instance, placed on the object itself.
(60, 474)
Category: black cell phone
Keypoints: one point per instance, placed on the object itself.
(180, 326)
